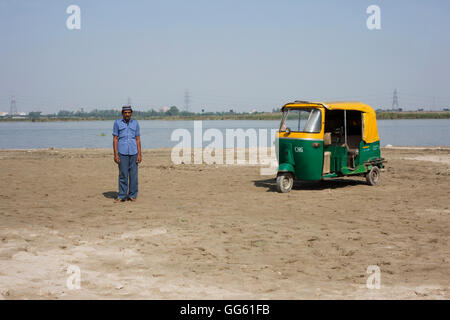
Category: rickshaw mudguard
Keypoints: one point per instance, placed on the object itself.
(286, 167)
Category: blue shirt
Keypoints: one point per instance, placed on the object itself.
(127, 133)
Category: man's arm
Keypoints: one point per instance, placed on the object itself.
(116, 149)
(138, 144)
(116, 142)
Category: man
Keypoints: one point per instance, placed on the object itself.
(127, 154)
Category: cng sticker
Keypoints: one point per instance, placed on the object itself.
(298, 149)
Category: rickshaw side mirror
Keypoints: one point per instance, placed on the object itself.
(288, 130)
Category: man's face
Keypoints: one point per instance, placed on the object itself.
(126, 115)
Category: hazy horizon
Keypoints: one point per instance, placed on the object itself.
(239, 55)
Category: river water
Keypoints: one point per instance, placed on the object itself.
(157, 133)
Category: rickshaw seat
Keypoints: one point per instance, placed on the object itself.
(353, 144)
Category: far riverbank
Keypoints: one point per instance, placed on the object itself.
(238, 116)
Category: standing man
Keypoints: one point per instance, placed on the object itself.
(127, 154)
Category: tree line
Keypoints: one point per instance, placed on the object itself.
(173, 113)
(138, 114)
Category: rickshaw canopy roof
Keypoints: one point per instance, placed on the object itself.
(332, 105)
(370, 129)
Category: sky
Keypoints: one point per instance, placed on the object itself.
(227, 54)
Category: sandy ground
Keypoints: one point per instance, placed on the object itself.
(200, 231)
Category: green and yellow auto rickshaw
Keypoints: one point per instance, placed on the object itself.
(319, 140)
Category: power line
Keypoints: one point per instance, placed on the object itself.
(217, 100)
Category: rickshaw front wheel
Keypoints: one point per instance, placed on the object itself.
(373, 176)
(285, 181)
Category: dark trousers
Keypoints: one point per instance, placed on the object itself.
(128, 176)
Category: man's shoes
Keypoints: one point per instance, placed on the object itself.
(119, 200)
(133, 199)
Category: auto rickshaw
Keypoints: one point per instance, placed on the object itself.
(319, 140)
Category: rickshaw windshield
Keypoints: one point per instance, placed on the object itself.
(302, 120)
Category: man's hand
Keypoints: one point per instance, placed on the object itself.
(116, 158)
(138, 145)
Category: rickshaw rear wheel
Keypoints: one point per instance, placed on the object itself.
(285, 181)
(373, 176)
